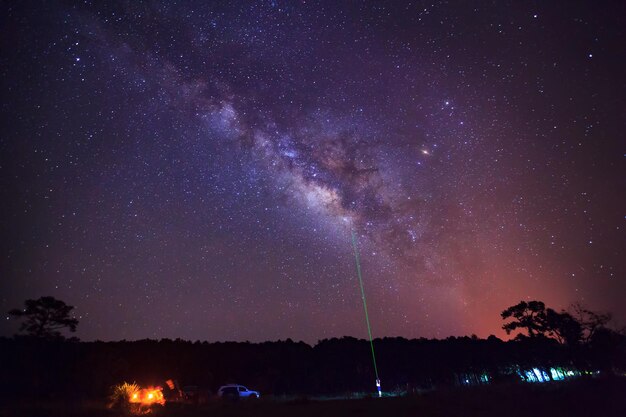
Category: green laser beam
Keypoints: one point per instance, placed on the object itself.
(367, 319)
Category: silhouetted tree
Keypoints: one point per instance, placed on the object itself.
(590, 321)
(45, 317)
(537, 320)
(563, 327)
(530, 316)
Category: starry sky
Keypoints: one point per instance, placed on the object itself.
(195, 169)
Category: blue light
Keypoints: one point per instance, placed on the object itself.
(556, 374)
(552, 374)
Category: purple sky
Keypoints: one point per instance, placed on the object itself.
(194, 170)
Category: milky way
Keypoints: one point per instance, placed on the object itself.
(195, 170)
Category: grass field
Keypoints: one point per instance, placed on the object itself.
(589, 398)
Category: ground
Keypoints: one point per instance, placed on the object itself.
(593, 397)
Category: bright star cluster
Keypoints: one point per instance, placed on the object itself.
(195, 169)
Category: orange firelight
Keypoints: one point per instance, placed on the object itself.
(148, 396)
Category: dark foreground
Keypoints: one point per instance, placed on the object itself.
(592, 397)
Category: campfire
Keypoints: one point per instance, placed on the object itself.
(147, 396)
(134, 399)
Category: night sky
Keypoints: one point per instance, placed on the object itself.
(195, 169)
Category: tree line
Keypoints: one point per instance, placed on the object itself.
(44, 364)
